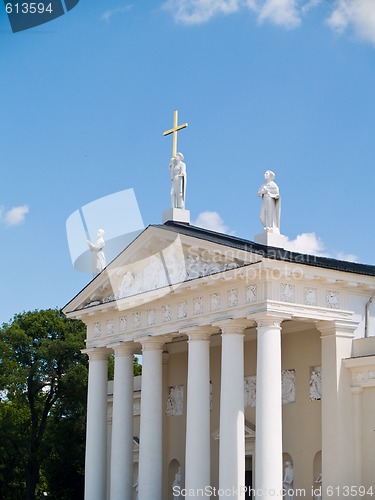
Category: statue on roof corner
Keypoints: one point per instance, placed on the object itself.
(177, 169)
(270, 211)
(97, 250)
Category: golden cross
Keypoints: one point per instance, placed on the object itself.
(174, 131)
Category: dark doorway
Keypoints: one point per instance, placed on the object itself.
(249, 477)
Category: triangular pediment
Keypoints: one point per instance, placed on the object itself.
(157, 262)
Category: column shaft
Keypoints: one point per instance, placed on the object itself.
(122, 426)
(268, 443)
(197, 463)
(337, 435)
(232, 420)
(150, 449)
(96, 432)
(357, 429)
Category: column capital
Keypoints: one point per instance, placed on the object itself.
(97, 353)
(269, 319)
(340, 328)
(232, 326)
(153, 343)
(199, 332)
(123, 348)
(356, 391)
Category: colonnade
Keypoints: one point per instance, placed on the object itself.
(268, 452)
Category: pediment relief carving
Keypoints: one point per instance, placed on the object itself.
(169, 267)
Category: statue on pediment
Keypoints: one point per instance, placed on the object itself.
(177, 169)
(270, 211)
(98, 255)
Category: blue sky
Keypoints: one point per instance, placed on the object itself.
(285, 85)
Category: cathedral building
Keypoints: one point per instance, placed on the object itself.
(258, 366)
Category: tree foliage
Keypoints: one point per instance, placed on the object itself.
(43, 383)
(43, 394)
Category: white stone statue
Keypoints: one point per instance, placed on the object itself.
(176, 485)
(97, 250)
(288, 481)
(177, 169)
(270, 212)
(318, 487)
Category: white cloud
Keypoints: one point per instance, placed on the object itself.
(358, 14)
(347, 256)
(15, 215)
(212, 221)
(109, 13)
(280, 12)
(286, 13)
(309, 243)
(200, 11)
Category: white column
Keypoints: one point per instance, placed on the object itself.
(268, 441)
(232, 419)
(337, 433)
(357, 429)
(150, 446)
(96, 432)
(122, 424)
(197, 458)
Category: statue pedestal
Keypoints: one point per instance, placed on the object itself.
(177, 215)
(272, 239)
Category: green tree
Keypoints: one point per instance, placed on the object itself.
(43, 379)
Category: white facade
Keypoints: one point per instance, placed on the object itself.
(252, 357)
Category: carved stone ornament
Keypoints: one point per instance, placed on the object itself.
(173, 265)
(123, 324)
(175, 269)
(198, 305)
(215, 301)
(137, 321)
(151, 317)
(251, 293)
(287, 292)
(316, 384)
(232, 297)
(166, 313)
(288, 385)
(250, 391)
(97, 329)
(175, 403)
(109, 326)
(332, 300)
(181, 310)
(310, 296)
